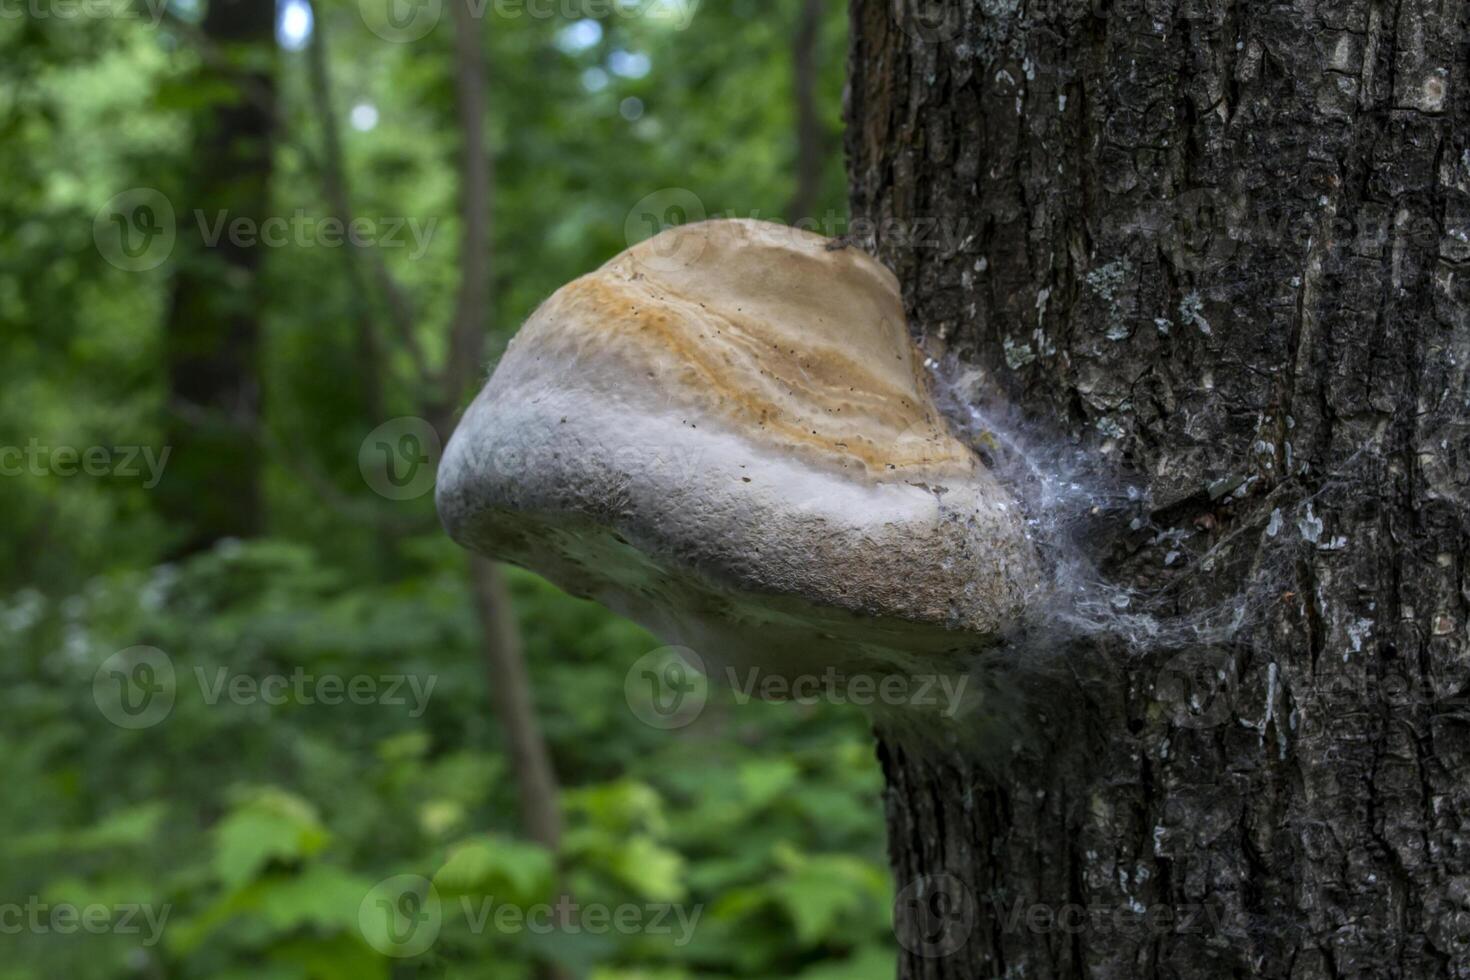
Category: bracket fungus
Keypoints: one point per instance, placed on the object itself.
(725, 434)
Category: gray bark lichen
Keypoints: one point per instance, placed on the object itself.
(1220, 247)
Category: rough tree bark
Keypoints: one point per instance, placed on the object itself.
(1221, 249)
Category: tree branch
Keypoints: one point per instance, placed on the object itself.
(334, 182)
(467, 333)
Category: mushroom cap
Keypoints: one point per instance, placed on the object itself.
(725, 434)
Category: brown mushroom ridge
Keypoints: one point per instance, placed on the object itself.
(818, 359)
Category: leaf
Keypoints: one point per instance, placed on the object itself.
(868, 963)
(341, 957)
(271, 824)
(128, 827)
(814, 902)
(322, 895)
(624, 805)
(439, 817)
(405, 747)
(512, 871)
(816, 891)
(275, 971)
(765, 779)
(656, 872)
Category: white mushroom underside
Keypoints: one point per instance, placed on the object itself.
(709, 541)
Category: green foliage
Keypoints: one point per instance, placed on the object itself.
(262, 828)
(256, 819)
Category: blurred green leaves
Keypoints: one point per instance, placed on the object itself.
(512, 871)
(264, 828)
(261, 828)
(269, 824)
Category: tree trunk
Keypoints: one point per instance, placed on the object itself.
(466, 360)
(212, 487)
(809, 141)
(371, 354)
(505, 660)
(511, 692)
(1212, 249)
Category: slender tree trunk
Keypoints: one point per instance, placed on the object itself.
(509, 680)
(511, 693)
(1218, 249)
(211, 489)
(809, 135)
(370, 355)
(467, 332)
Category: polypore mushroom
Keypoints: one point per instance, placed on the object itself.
(725, 434)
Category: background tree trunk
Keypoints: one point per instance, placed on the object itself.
(213, 329)
(508, 678)
(809, 135)
(1219, 249)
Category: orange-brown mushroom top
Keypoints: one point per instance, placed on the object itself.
(817, 361)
